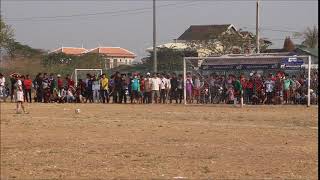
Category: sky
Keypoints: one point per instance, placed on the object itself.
(128, 24)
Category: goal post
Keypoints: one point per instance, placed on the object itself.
(262, 57)
(76, 73)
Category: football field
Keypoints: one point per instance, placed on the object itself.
(112, 141)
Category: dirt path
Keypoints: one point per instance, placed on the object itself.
(159, 141)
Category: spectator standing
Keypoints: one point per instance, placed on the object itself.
(141, 93)
(155, 86)
(20, 97)
(163, 86)
(174, 88)
(13, 81)
(123, 89)
(189, 87)
(2, 87)
(28, 86)
(287, 83)
(180, 85)
(116, 89)
(38, 87)
(104, 88)
(269, 89)
(147, 89)
(89, 93)
(135, 89)
(96, 89)
(60, 83)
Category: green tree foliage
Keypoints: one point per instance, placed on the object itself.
(12, 47)
(169, 59)
(310, 37)
(65, 64)
(6, 35)
(228, 43)
(288, 45)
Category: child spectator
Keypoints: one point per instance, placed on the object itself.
(20, 97)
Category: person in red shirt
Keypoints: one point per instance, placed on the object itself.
(70, 82)
(60, 83)
(28, 85)
(257, 89)
(141, 89)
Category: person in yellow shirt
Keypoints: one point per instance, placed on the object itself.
(104, 88)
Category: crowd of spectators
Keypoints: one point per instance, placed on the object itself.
(278, 88)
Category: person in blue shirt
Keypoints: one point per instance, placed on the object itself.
(135, 89)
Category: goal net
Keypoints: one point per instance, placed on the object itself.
(250, 79)
(82, 73)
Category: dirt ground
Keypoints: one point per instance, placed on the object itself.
(159, 142)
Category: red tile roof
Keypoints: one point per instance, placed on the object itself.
(70, 50)
(113, 52)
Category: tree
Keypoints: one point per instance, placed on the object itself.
(228, 43)
(310, 37)
(6, 35)
(168, 59)
(288, 45)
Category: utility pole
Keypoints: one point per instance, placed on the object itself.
(257, 28)
(155, 67)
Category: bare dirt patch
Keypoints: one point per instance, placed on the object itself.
(158, 141)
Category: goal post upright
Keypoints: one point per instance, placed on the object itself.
(265, 56)
(309, 81)
(184, 81)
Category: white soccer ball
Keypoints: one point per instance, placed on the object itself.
(77, 111)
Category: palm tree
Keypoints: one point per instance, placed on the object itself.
(310, 36)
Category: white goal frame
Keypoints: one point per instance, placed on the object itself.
(76, 73)
(248, 57)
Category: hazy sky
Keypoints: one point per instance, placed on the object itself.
(128, 24)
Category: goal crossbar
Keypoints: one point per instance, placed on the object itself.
(76, 73)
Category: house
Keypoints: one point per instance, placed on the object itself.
(196, 34)
(75, 51)
(114, 56)
(206, 32)
(313, 52)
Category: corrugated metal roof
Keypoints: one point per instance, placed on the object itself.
(204, 32)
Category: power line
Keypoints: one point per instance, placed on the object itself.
(112, 13)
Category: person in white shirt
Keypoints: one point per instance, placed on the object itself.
(70, 96)
(269, 89)
(96, 89)
(163, 89)
(20, 97)
(155, 87)
(168, 89)
(2, 86)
